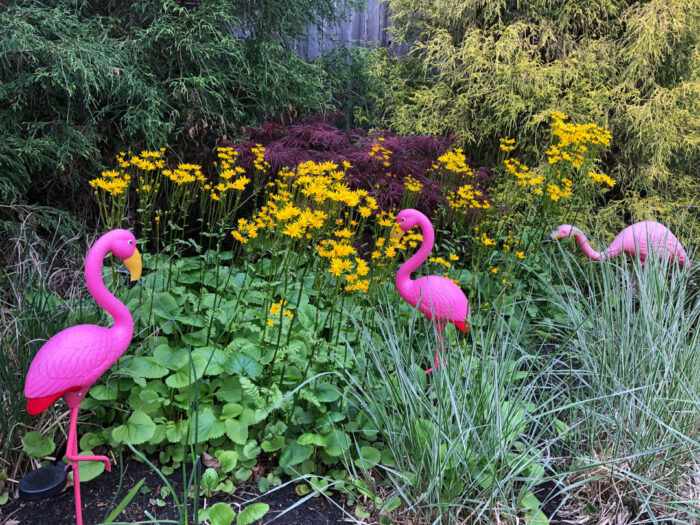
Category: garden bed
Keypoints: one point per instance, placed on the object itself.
(103, 493)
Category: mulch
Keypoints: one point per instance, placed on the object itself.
(102, 494)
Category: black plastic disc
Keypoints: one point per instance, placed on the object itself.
(43, 482)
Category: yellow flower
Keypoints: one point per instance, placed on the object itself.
(293, 230)
(454, 257)
(520, 255)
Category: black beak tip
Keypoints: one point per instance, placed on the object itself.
(548, 238)
(129, 283)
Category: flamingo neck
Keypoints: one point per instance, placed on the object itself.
(586, 247)
(404, 282)
(123, 322)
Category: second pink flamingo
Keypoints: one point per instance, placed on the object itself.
(643, 238)
(441, 300)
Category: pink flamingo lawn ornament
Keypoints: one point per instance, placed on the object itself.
(642, 237)
(72, 360)
(440, 299)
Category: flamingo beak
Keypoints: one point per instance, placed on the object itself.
(552, 237)
(133, 263)
(396, 233)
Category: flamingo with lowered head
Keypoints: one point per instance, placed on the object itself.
(72, 360)
(441, 300)
(643, 238)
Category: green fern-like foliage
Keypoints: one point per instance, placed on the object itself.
(82, 80)
(497, 68)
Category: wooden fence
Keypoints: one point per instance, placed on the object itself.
(368, 26)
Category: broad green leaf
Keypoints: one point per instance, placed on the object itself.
(171, 358)
(272, 446)
(369, 457)
(536, 518)
(294, 454)
(144, 366)
(236, 431)
(239, 363)
(326, 393)
(210, 479)
(208, 426)
(252, 513)
(103, 393)
(215, 357)
(138, 429)
(312, 439)
(231, 410)
(165, 306)
(221, 514)
(37, 445)
(337, 442)
(227, 459)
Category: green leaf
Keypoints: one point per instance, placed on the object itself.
(138, 429)
(215, 357)
(239, 363)
(210, 479)
(103, 393)
(252, 513)
(208, 426)
(5, 496)
(294, 454)
(227, 459)
(165, 306)
(171, 358)
(272, 446)
(312, 439)
(221, 514)
(37, 445)
(326, 393)
(337, 442)
(530, 502)
(536, 518)
(236, 431)
(144, 366)
(369, 457)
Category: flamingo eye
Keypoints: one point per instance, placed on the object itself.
(131, 242)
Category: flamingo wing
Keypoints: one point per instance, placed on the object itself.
(442, 299)
(71, 360)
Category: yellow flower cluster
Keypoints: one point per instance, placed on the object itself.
(112, 182)
(386, 219)
(227, 170)
(302, 200)
(380, 152)
(507, 144)
(186, 174)
(484, 239)
(555, 192)
(467, 197)
(455, 161)
(574, 140)
(412, 184)
(259, 162)
(601, 178)
(440, 260)
(275, 310)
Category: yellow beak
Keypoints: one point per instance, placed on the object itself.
(133, 263)
(396, 233)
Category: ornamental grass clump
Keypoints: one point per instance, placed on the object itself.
(632, 349)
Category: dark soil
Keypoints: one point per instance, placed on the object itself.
(102, 494)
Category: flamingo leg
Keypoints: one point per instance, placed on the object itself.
(72, 455)
(440, 327)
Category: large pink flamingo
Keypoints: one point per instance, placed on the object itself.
(72, 360)
(643, 238)
(440, 299)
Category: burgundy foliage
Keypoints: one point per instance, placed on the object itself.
(317, 138)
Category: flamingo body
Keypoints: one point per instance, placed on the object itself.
(642, 238)
(438, 298)
(70, 362)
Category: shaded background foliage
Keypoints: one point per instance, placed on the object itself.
(82, 80)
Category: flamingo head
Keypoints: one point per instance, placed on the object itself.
(122, 243)
(405, 220)
(563, 232)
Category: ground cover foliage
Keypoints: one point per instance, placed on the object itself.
(497, 69)
(270, 340)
